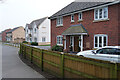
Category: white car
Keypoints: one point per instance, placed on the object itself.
(108, 53)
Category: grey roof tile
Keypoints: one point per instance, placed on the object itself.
(12, 30)
(37, 22)
(75, 29)
(77, 6)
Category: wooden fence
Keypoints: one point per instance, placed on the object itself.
(69, 66)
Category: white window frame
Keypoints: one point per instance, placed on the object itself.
(36, 39)
(72, 18)
(98, 10)
(44, 39)
(100, 35)
(60, 43)
(35, 30)
(60, 21)
(79, 16)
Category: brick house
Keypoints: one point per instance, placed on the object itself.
(3, 34)
(16, 35)
(86, 25)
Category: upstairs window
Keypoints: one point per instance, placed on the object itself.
(72, 18)
(27, 30)
(60, 21)
(80, 16)
(101, 13)
(35, 30)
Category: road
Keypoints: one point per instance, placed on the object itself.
(13, 67)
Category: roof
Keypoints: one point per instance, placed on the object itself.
(77, 6)
(12, 30)
(37, 22)
(75, 30)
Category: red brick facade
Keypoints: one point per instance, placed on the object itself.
(110, 27)
(4, 35)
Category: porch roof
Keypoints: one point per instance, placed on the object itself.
(75, 30)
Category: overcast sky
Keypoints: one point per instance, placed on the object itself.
(14, 13)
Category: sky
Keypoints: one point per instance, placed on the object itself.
(14, 13)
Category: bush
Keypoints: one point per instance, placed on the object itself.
(34, 43)
(57, 48)
(25, 42)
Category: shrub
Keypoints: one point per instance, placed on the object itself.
(34, 43)
(57, 48)
(25, 42)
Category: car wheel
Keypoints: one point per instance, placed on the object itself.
(81, 55)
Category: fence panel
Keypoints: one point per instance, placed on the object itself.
(51, 62)
(70, 66)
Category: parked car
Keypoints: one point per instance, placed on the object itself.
(108, 53)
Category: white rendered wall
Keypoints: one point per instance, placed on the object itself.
(44, 31)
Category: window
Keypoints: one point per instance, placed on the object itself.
(35, 39)
(59, 40)
(30, 30)
(60, 21)
(27, 39)
(80, 16)
(100, 40)
(72, 18)
(35, 30)
(27, 30)
(101, 13)
(30, 39)
(43, 39)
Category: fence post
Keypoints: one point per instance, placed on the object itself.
(115, 70)
(41, 60)
(31, 56)
(20, 49)
(24, 52)
(62, 65)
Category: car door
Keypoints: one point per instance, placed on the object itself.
(115, 55)
(103, 54)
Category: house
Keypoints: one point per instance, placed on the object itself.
(86, 25)
(38, 31)
(16, 35)
(3, 35)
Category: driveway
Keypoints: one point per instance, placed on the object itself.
(13, 67)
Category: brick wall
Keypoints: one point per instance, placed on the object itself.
(4, 35)
(109, 27)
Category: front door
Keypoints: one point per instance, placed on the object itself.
(71, 43)
(76, 46)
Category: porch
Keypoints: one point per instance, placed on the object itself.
(73, 38)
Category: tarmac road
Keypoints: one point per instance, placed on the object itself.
(13, 67)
